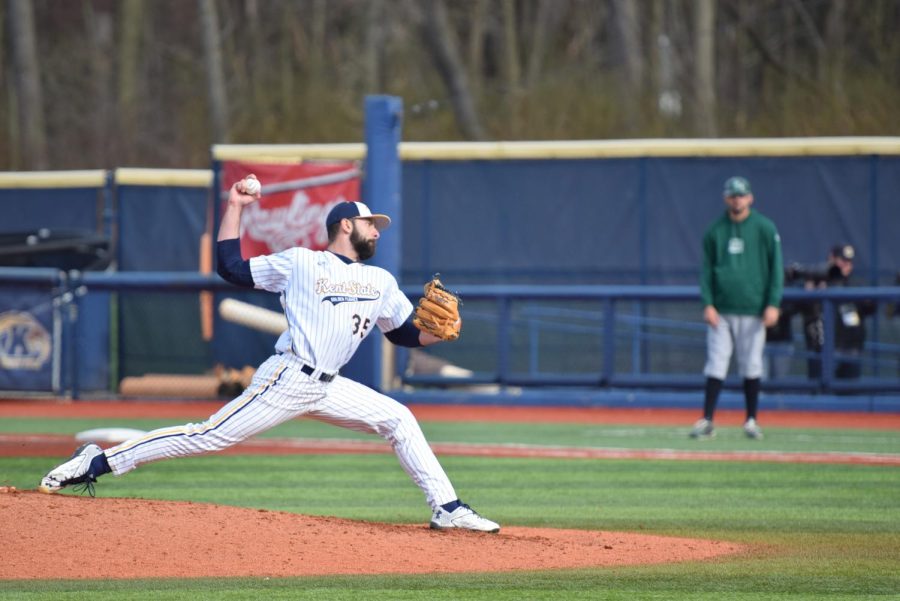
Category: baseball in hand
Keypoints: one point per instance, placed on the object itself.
(252, 186)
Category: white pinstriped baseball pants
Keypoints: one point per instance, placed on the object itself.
(279, 392)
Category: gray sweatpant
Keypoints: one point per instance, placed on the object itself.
(741, 335)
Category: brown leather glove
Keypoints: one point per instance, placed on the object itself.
(438, 311)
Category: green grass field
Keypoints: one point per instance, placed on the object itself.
(817, 531)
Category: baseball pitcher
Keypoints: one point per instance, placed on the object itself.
(332, 301)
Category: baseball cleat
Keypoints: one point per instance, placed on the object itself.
(76, 470)
(751, 429)
(463, 517)
(703, 429)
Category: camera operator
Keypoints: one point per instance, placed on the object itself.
(849, 329)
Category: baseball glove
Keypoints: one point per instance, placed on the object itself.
(438, 311)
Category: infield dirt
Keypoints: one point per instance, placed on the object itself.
(135, 538)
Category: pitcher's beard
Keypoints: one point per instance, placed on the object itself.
(365, 249)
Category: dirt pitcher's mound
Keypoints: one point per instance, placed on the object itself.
(58, 536)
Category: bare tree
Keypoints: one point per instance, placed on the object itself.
(288, 48)
(374, 52)
(318, 22)
(441, 42)
(704, 68)
(787, 28)
(477, 27)
(291, 70)
(255, 55)
(215, 74)
(763, 47)
(131, 17)
(512, 67)
(835, 32)
(628, 38)
(545, 22)
(814, 37)
(99, 24)
(512, 63)
(30, 97)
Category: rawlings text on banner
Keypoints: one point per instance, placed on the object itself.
(296, 198)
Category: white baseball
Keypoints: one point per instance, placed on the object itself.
(252, 186)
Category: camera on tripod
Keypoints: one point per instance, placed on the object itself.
(817, 274)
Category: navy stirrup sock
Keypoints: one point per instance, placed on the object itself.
(451, 506)
(99, 465)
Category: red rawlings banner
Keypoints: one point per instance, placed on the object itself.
(296, 198)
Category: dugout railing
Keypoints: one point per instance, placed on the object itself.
(621, 325)
(626, 330)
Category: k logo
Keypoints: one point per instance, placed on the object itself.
(24, 342)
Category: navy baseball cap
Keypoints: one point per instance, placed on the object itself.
(352, 210)
(737, 186)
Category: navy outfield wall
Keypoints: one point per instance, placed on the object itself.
(53, 219)
(578, 220)
(620, 220)
(636, 220)
(639, 220)
(161, 216)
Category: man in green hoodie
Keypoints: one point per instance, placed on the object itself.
(741, 285)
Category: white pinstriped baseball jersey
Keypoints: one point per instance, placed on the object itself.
(330, 305)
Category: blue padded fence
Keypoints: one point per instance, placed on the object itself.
(547, 250)
(603, 384)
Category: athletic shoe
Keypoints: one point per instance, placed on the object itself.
(76, 470)
(703, 429)
(751, 429)
(462, 517)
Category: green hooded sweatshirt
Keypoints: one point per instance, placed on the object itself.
(742, 266)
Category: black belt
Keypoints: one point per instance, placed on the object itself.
(309, 370)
